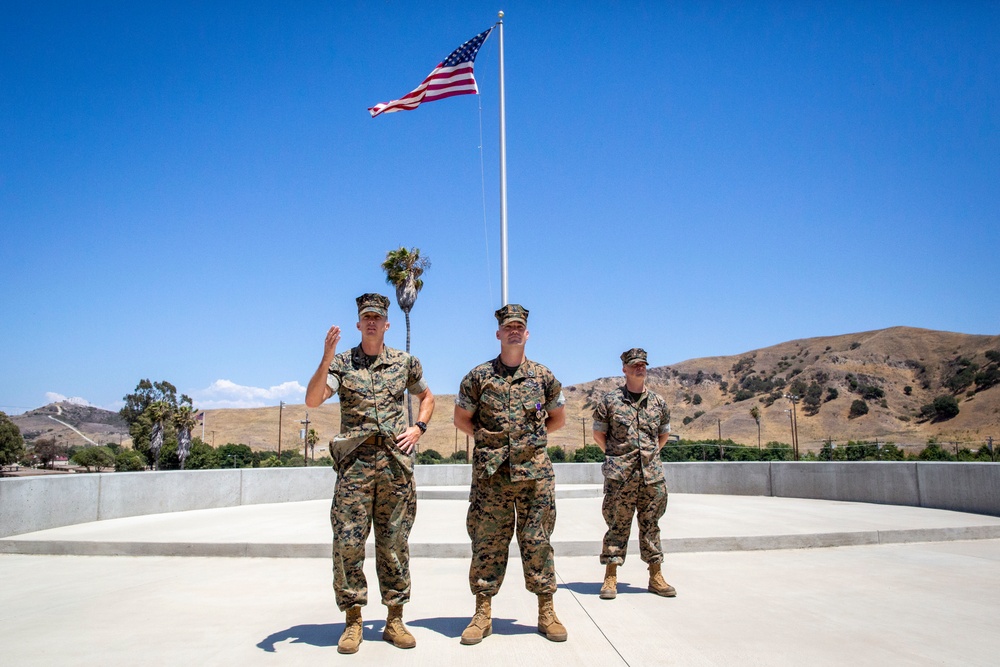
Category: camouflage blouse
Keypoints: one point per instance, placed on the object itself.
(509, 417)
(632, 429)
(371, 394)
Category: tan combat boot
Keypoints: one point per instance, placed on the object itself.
(350, 640)
(481, 624)
(548, 622)
(395, 631)
(610, 588)
(657, 584)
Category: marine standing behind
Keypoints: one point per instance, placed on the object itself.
(631, 425)
(509, 405)
(373, 458)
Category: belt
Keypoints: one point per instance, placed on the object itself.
(378, 440)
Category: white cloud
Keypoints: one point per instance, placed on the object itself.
(228, 394)
(53, 397)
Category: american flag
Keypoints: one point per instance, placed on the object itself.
(452, 77)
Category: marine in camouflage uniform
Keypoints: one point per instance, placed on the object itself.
(509, 405)
(631, 425)
(373, 456)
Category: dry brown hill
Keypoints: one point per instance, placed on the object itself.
(888, 360)
(71, 424)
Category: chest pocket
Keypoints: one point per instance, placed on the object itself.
(356, 386)
(392, 379)
(649, 424)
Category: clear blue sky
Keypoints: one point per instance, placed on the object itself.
(195, 192)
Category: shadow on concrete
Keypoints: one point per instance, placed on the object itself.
(452, 626)
(594, 588)
(324, 635)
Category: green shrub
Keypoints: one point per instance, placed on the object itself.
(588, 454)
(429, 457)
(942, 409)
(987, 377)
(858, 408)
(556, 454)
(235, 456)
(129, 460)
(870, 392)
(94, 458)
(934, 452)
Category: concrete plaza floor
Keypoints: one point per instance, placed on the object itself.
(761, 581)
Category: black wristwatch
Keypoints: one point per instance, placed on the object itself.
(422, 426)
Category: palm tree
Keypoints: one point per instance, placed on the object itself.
(311, 439)
(403, 269)
(159, 412)
(755, 413)
(184, 421)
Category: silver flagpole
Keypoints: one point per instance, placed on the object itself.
(503, 178)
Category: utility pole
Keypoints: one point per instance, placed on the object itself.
(791, 427)
(795, 425)
(305, 438)
(583, 424)
(281, 406)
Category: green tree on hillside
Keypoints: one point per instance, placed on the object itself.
(403, 269)
(11, 441)
(755, 413)
(941, 409)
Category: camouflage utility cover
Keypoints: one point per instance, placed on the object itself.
(636, 355)
(373, 303)
(509, 417)
(512, 312)
(371, 396)
(633, 429)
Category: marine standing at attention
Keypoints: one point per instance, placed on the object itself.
(631, 425)
(373, 456)
(509, 405)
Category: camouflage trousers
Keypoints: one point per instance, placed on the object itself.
(496, 506)
(372, 489)
(622, 499)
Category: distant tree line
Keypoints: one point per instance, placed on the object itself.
(728, 450)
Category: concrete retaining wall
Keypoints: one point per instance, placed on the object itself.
(29, 504)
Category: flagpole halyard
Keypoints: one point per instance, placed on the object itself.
(503, 178)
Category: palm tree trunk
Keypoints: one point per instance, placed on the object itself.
(409, 397)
